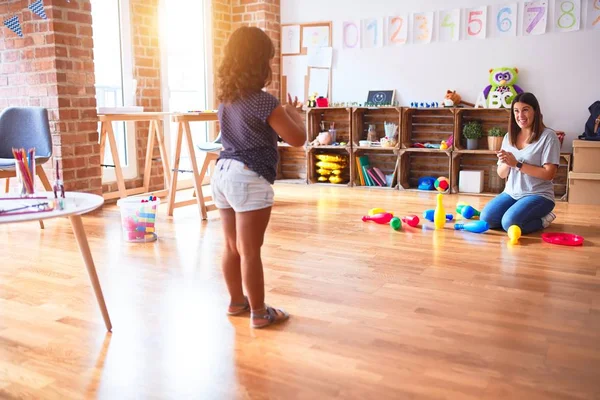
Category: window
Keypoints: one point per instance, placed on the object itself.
(114, 76)
(185, 31)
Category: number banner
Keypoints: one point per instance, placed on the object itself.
(593, 14)
(422, 27)
(372, 32)
(567, 15)
(397, 30)
(449, 25)
(351, 35)
(505, 20)
(476, 22)
(535, 16)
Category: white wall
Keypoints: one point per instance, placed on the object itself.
(561, 69)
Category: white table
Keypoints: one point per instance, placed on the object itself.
(76, 204)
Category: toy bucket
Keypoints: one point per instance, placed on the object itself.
(138, 217)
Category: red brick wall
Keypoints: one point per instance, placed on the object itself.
(52, 67)
(264, 14)
(146, 70)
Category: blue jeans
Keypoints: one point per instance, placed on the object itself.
(527, 212)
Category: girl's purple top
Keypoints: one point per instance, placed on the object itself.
(247, 137)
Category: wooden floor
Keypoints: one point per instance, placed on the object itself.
(376, 314)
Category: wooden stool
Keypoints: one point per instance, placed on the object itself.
(183, 127)
(106, 131)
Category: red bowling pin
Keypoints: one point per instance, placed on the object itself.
(382, 218)
(411, 220)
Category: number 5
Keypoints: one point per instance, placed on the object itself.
(473, 19)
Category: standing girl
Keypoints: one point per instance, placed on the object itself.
(250, 120)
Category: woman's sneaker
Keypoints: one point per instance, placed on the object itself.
(547, 220)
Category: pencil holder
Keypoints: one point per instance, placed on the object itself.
(25, 186)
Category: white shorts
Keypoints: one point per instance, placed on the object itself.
(236, 186)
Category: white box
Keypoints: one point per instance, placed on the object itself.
(470, 182)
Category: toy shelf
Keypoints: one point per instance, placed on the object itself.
(341, 117)
(417, 163)
(426, 125)
(561, 180)
(386, 159)
(292, 165)
(313, 175)
(488, 117)
(477, 160)
(362, 117)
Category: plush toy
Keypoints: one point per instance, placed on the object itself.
(453, 99)
(503, 80)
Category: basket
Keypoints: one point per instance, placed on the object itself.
(138, 217)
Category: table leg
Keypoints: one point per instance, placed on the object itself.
(7, 185)
(149, 148)
(164, 155)
(197, 179)
(84, 248)
(173, 187)
(115, 155)
(102, 141)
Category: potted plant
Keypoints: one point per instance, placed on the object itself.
(472, 131)
(495, 137)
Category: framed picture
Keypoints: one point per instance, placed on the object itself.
(380, 97)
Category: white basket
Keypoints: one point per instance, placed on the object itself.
(138, 218)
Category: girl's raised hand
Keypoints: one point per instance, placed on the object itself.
(294, 103)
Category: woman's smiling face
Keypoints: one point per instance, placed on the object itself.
(524, 115)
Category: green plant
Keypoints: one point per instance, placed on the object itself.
(473, 130)
(495, 132)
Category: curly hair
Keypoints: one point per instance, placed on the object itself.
(246, 65)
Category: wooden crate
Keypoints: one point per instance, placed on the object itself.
(292, 164)
(426, 125)
(362, 117)
(417, 163)
(312, 168)
(341, 117)
(477, 160)
(561, 180)
(383, 158)
(488, 117)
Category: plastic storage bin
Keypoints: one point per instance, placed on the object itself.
(138, 218)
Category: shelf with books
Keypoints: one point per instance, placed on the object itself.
(325, 164)
(377, 118)
(426, 125)
(324, 119)
(418, 163)
(292, 165)
(487, 117)
(381, 167)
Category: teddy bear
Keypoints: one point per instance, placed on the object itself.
(453, 99)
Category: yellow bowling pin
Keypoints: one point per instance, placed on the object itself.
(439, 216)
(514, 233)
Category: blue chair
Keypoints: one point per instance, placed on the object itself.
(25, 127)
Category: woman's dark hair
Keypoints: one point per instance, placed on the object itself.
(246, 65)
(538, 123)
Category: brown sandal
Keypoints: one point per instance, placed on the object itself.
(240, 307)
(270, 314)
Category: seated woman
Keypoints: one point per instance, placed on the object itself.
(529, 159)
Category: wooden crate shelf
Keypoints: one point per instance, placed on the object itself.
(341, 117)
(426, 125)
(417, 163)
(385, 159)
(477, 161)
(362, 117)
(292, 165)
(312, 167)
(488, 117)
(561, 180)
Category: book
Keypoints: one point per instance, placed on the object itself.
(364, 164)
(359, 171)
(375, 178)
